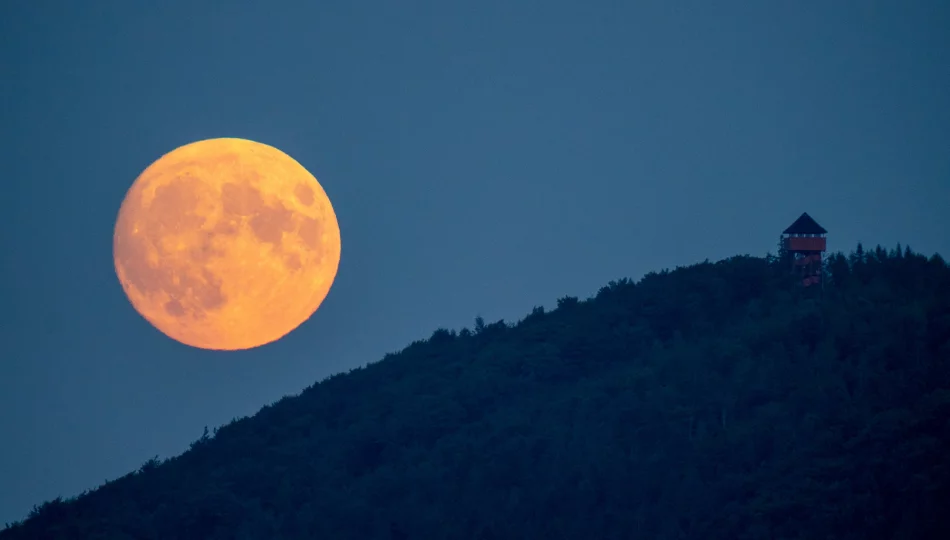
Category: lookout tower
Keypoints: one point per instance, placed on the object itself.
(805, 243)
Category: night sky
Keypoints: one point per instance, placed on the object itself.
(482, 158)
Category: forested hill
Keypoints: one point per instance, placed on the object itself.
(716, 401)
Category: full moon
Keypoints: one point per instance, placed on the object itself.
(226, 244)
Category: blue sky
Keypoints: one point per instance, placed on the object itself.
(482, 158)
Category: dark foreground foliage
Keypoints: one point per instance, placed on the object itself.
(717, 401)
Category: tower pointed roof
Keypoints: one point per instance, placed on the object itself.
(805, 224)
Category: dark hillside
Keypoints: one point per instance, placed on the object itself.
(717, 401)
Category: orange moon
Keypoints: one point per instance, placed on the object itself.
(226, 244)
